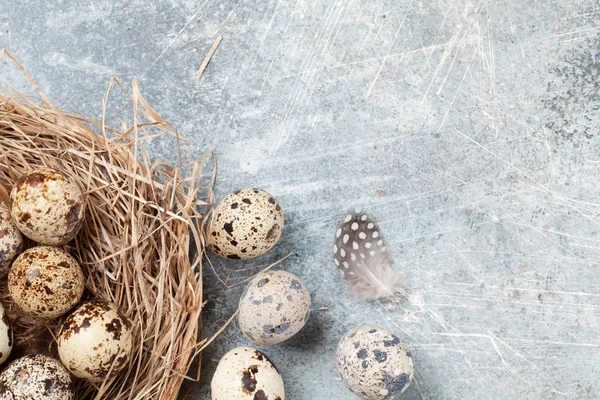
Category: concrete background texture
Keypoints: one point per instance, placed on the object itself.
(469, 129)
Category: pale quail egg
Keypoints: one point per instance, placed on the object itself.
(374, 363)
(45, 281)
(11, 240)
(245, 225)
(274, 307)
(245, 373)
(36, 377)
(47, 206)
(6, 336)
(95, 341)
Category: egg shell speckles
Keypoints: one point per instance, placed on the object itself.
(245, 225)
(6, 336)
(274, 307)
(45, 282)
(11, 239)
(95, 338)
(245, 373)
(36, 377)
(374, 363)
(47, 206)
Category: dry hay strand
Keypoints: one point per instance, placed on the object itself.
(143, 222)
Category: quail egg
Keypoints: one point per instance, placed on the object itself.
(45, 282)
(11, 240)
(36, 377)
(6, 336)
(47, 206)
(95, 342)
(245, 225)
(374, 363)
(245, 373)
(274, 307)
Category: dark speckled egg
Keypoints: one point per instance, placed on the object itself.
(36, 377)
(374, 363)
(95, 341)
(45, 282)
(47, 206)
(247, 224)
(245, 373)
(11, 239)
(6, 336)
(274, 307)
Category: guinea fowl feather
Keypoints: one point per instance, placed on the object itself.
(363, 258)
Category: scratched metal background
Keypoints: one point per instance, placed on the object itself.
(470, 129)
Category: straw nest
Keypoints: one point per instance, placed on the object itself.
(142, 244)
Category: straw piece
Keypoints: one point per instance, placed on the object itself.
(209, 56)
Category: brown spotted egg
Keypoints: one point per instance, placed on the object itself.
(374, 363)
(245, 225)
(245, 373)
(36, 377)
(95, 342)
(11, 240)
(45, 282)
(47, 206)
(6, 336)
(274, 307)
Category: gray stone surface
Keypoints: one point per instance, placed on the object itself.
(469, 129)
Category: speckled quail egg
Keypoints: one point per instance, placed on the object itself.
(36, 377)
(374, 363)
(45, 282)
(245, 373)
(47, 206)
(6, 336)
(245, 225)
(11, 240)
(95, 341)
(274, 307)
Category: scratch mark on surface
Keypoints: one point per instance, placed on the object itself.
(193, 17)
(386, 56)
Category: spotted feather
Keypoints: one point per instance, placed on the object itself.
(363, 259)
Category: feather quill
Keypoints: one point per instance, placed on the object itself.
(363, 258)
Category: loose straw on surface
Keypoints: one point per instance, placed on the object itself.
(142, 222)
(209, 56)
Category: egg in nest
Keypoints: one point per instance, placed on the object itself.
(47, 206)
(95, 341)
(6, 336)
(246, 224)
(11, 239)
(36, 377)
(45, 282)
(374, 363)
(274, 307)
(245, 373)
